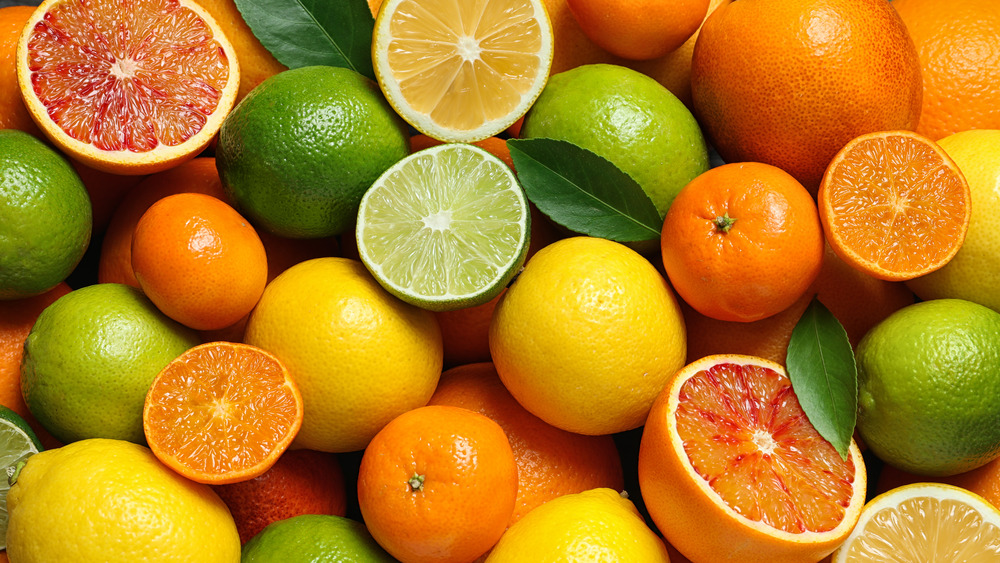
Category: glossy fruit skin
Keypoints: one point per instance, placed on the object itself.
(314, 538)
(13, 114)
(789, 82)
(638, 30)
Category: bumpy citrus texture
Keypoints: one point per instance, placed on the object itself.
(110, 500)
(641, 30)
(313, 537)
(13, 114)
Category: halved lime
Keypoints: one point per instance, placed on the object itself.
(17, 442)
(444, 228)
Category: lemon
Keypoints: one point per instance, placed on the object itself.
(928, 382)
(314, 538)
(587, 336)
(973, 272)
(359, 356)
(111, 500)
(595, 525)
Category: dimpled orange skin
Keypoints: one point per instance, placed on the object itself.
(770, 255)
(13, 114)
(790, 82)
(639, 29)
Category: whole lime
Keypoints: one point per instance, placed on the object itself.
(928, 382)
(299, 151)
(314, 538)
(627, 118)
(90, 359)
(45, 216)
(110, 500)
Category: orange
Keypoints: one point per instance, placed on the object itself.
(465, 333)
(790, 82)
(959, 47)
(222, 412)
(437, 483)
(199, 261)
(731, 469)
(550, 462)
(13, 114)
(638, 29)
(300, 482)
(983, 480)
(106, 192)
(149, 91)
(894, 205)
(742, 242)
(195, 176)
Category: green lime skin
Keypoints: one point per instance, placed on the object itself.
(301, 148)
(929, 387)
(314, 538)
(629, 119)
(45, 216)
(90, 358)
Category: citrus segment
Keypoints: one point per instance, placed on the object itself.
(222, 412)
(17, 442)
(894, 205)
(462, 70)
(127, 88)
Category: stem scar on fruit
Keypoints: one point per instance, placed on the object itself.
(723, 223)
(416, 482)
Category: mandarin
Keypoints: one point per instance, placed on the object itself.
(638, 29)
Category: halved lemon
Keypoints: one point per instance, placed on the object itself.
(127, 87)
(462, 70)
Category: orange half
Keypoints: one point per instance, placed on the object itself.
(127, 87)
(731, 469)
(222, 413)
(894, 205)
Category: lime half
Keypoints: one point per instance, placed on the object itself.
(444, 228)
(17, 442)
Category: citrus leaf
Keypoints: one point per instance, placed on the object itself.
(313, 32)
(820, 363)
(583, 191)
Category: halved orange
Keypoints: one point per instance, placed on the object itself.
(731, 469)
(894, 205)
(462, 70)
(222, 412)
(127, 87)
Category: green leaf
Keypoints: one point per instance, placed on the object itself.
(583, 191)
(820, 363)
(313, 32)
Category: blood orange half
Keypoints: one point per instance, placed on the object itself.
(127, 87)
(731, 469)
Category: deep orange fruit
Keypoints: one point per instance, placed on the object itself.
(222, 413)
(894, 205)
(438, 483)
(13, 114)
(638, 29)
(465, 333)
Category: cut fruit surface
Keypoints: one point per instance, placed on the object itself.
(444, 228)
(129, 88)
(462, 70)
(222, 413)
(924, 522)
(894, 205)
(17, 443)
(728, 448)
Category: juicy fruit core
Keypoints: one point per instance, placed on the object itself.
(746, 434)
(126, 76)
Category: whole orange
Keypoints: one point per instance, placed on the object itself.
(13, 114)
(199, 261)
(106, 191)
(742, 242)
(959, 47)
(983, 480)
(790, 82)
(550, 462)
(638, 29)
(300, 482)
(465, 333)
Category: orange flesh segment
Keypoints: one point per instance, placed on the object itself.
(222, 409)
(126, 75)
(897, 205)
(464, 62)
(745, 434)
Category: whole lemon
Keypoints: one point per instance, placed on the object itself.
(972, 274)
(359, 355)
(595, 525)
(587, 336)
(111, 500)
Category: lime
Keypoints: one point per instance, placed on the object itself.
(928, 382)
(299, 151)
(45, 216)
(629, 119)
(90, 358)
(314, 538)
(17, 442)
(445, 228)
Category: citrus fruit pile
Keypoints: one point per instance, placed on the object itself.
(455, 281)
